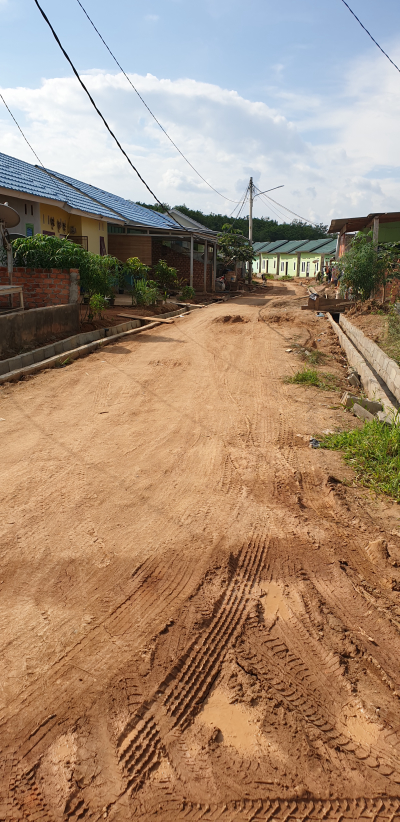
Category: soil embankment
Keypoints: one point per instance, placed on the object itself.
(200, 614)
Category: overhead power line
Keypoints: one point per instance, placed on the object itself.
(150, 111)
(94, 104)
(304, 219)
(370, 35)
(20, 129)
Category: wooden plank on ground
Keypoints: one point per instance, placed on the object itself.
(156, 318)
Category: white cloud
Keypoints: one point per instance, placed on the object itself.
(335, 156)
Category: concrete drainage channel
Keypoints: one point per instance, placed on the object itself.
(378, 374)
(74, 347)
(80, 345)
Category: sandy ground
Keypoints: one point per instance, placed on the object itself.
(200, 616)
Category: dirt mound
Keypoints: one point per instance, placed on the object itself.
(231, 318)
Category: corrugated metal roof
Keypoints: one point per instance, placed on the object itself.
(257, 247)
(320, 246)
(20, 176)
(324, 246)
(269, 247)
(291, 246)
(128, 210)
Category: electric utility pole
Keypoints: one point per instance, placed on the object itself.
(250, 225)
(251, 195)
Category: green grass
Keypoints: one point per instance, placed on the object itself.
(309, 376)
(374, 453)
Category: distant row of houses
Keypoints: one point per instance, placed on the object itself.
(293, 258)
(306, 258)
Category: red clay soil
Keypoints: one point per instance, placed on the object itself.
(200, 614)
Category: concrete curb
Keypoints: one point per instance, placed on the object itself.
(370, 384)
(387, 368)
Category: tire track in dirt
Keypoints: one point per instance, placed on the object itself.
(182, 692)
(383, 809)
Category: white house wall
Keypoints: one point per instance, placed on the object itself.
(30, 218)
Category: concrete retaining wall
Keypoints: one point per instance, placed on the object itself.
(370, 384)
(17, 331)
(387, 369)
(72, 343)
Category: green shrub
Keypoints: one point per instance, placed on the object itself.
(145, 292)
(374, 453)
(97, 304)
(188, 292)
(98, 274)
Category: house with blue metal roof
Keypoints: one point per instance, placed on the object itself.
(293, 258)
(56, 204)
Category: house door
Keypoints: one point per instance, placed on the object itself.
(286, 268)
(308, 270)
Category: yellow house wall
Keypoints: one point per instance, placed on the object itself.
(93, 230)
(55, 219)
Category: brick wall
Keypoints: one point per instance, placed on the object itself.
(40, 287)
(182, 263)
(123, 246)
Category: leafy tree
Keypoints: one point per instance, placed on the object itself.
(366, 266)
(233, 247)
(166, 276)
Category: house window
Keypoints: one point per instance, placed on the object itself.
(29, 230)
(294, 265)
(303, 268)
(282, 266)
(308, 270)
(264, 265)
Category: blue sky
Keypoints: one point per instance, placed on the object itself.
(293, 92)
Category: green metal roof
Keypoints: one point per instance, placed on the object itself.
(324, 246)
(258, 246)
(291, 246)
(320, 246)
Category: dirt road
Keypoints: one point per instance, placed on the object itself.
(200, 619)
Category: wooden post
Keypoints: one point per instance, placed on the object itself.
(205, 265)
(191, 259)
(214, 274)
(375, 231)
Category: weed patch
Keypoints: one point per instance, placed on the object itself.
(309, 376)
(313, 357)
(374, 453)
